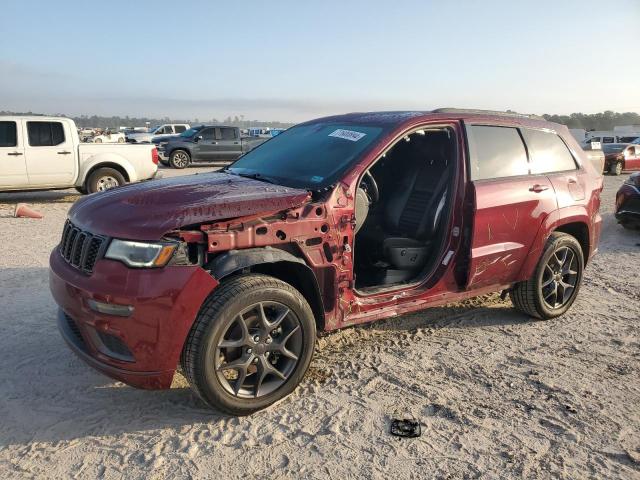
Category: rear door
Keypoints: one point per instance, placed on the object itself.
(205, 149)
(510, 204)
(50, 153)
(229, 145)
(13, 167)
(550, 156)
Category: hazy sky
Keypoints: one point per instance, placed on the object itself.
(294, 60)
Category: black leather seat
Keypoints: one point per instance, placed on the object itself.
(414, 213)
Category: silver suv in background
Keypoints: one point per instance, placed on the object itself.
(166, 130)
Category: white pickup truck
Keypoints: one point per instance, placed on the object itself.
(45, 153)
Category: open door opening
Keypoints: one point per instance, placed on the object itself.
(402, 207)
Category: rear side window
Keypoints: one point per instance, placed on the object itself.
(496, 152)
(45, 134)
(228, 133)
(547, 151)
(180, 128)
(8, 134)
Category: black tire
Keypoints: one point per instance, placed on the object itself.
(81, 190)
(104, 179)
(179, 159)
(221, 310)
(616, 168)
(528, 296)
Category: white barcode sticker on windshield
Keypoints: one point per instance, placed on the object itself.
(347, 134)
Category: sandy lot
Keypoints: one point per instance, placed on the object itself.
(498, 395)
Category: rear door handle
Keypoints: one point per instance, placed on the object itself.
(573, 180)
(64, 152)
(14, 154)
(538, 188)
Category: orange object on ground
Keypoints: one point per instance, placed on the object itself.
(24, 211)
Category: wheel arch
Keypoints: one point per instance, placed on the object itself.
(180, 147)
(580, 231)
(278, 264)
(97, 166)
(574, 221)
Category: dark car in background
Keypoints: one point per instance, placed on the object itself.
(205, 144)
(628, 202)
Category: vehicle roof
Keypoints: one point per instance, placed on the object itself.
(42, 118)
(216, 125)
(398, 118)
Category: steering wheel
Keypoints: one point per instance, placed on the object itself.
(369, 185)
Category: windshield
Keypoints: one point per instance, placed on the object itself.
(636, 141)
(191, 132)
(310, 156)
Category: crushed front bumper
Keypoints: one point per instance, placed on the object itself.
(141, 349)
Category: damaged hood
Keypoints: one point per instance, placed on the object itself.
(146, 211)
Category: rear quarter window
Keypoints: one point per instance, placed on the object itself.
(45, 134)
(547, 152)
(180, 128)
(8, 134)
(496, 152)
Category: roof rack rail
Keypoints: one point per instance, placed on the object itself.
(487, 112)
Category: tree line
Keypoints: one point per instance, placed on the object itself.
(589, 121)
(596, 121)
(116, 122)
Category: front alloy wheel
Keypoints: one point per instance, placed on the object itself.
(259, 350)
(250, 345)
(179, 159)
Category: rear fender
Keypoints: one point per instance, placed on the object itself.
(100, 159)
(558, 218)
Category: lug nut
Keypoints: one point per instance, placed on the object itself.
(249, 350)
(255, 360)
(268, 340)
(256, 338)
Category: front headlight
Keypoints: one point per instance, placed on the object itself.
(140, 254)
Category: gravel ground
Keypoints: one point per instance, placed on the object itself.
(498, 395)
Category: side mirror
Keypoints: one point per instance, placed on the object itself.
(198, 138)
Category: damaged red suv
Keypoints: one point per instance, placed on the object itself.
(335, 222)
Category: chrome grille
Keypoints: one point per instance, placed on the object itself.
(80, 249)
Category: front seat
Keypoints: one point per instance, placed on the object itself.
(413, 215)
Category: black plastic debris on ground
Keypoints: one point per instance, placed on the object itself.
(405, 428)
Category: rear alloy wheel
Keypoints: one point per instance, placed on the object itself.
(250, 345)
(120, 140)
(179, 159)
(104, 179)
(97, 140)
(556, 280)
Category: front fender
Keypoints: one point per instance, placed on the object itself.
(89, 163)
